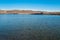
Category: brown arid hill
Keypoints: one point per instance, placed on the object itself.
(18, 11)
(27, 12)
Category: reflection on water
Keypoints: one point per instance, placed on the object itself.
(29, 27)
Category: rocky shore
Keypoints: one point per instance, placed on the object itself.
(28, 12)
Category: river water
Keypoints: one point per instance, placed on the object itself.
(29, 27)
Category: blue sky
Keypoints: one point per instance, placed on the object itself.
(43, 5)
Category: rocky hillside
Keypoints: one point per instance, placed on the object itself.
(27, 12)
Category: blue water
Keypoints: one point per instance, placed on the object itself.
(29, 27)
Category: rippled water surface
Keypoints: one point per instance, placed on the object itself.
(29, 27)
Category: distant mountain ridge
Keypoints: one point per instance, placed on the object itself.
(27, 12)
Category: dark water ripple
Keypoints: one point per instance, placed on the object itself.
(29, 27)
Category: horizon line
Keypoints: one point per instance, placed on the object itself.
(34, 10)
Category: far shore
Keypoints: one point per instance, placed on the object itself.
(28, 12)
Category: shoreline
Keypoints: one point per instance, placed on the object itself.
(28, 12)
